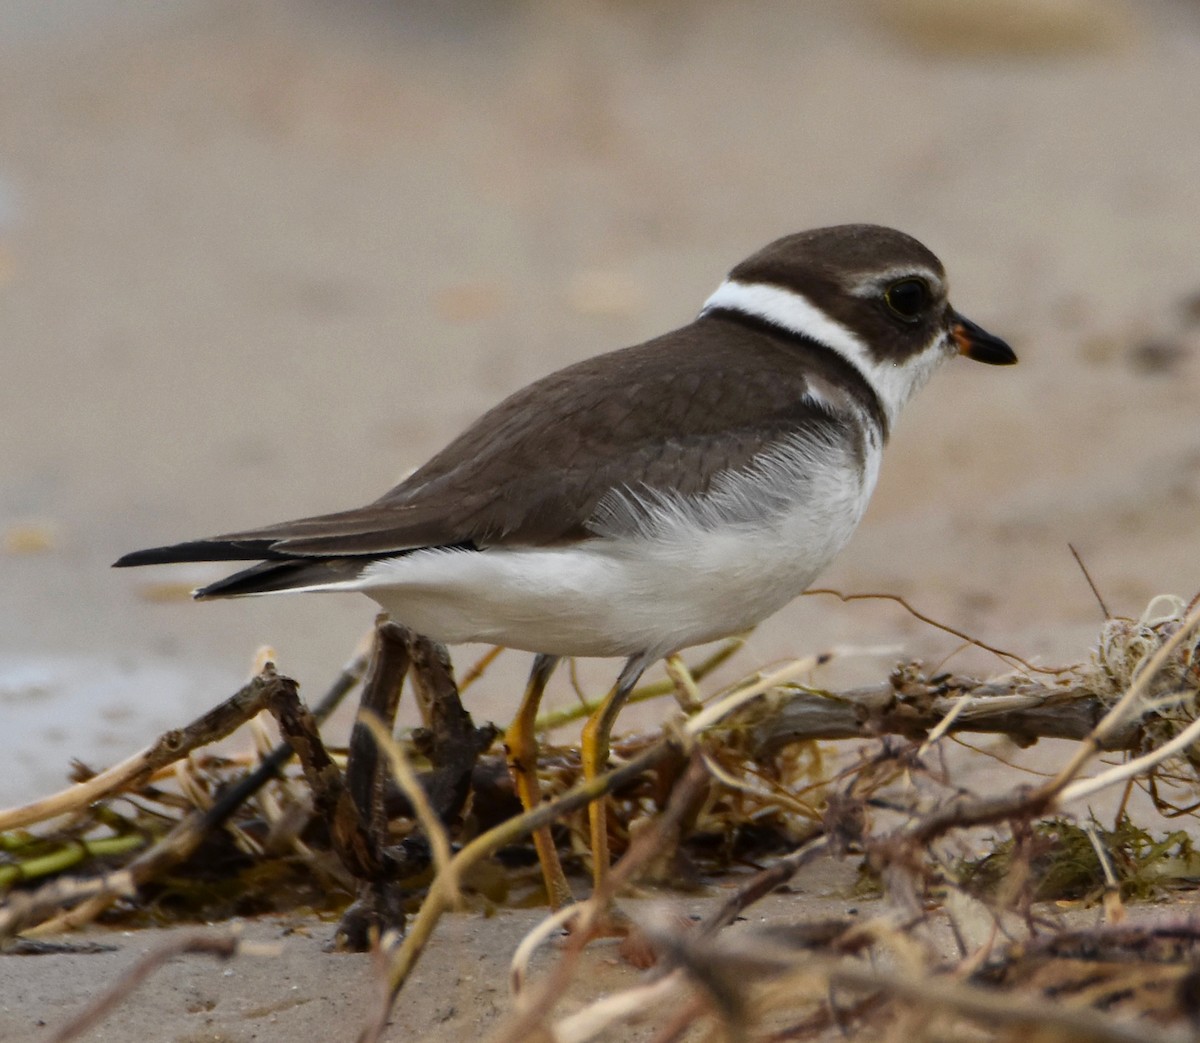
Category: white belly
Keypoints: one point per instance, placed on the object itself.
(686, 573)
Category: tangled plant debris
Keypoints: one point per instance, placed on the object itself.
(966, 941)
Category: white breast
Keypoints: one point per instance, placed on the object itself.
(661, 574)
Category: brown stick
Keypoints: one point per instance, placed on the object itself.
(381, 697)
(169, 747)
(1024, 710)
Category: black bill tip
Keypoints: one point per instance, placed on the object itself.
(976, 343)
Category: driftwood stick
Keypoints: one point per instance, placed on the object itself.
(450, 739)
(380, 698)
(1024, 711)
(77, 902)
(176, 744)
(452, 743)
(171, 746)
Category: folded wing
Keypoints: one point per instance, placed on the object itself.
(533, 470)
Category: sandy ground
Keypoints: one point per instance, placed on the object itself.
(258, 260)
(284, 988)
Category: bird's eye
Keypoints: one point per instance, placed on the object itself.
(907, 299)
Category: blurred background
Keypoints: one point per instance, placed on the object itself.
(259, 259)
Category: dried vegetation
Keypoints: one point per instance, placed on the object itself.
(966, 940)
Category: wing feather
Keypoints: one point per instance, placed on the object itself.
(535, 469)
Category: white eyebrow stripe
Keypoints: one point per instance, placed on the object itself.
(893, 384)
(876, 283)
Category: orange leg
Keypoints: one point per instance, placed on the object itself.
(521, 742)
(594, 748)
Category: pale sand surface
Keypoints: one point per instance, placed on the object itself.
(285, 988)
(258, 260)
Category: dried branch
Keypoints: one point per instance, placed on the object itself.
(78, 902)
(171, 746)
(1024, 710)
(176, 744)
(535, 1005)
(439, 898)
(990, 1006)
